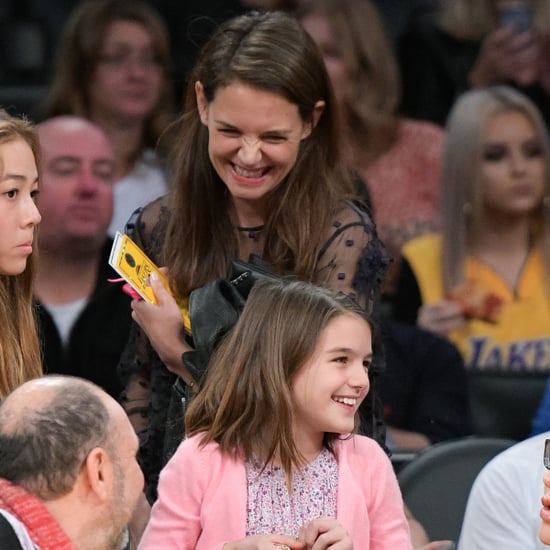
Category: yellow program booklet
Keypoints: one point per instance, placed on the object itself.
(131, 263)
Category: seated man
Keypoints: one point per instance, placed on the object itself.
(84, 320)
(504, 503)
(69, 479)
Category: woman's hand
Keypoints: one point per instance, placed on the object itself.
(441, 317)
(265, 542)
(506, 55)
(323, 533)
(163, 324)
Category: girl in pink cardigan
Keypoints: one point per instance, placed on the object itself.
(271, 460)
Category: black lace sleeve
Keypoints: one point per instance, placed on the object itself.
(354, 261)
(147, 381)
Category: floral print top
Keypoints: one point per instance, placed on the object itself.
(272, 509)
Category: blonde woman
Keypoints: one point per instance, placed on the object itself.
(483, 281)
(19, 348)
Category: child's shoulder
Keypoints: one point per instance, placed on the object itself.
(360, 449)
(202, 459)
(195, 444)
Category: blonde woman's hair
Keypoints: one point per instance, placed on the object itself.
(20, 358)
(462, 185)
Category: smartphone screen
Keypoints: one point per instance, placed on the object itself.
(519, 17)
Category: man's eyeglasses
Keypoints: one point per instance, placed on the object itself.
(546, 457)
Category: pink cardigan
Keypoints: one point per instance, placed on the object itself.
(203, 499)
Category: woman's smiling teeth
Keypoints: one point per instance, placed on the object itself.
(245, 173)
(346, 400)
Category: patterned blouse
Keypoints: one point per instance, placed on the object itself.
(271, 509)
(352, 260)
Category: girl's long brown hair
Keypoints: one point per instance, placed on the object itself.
(245, 405)
(20, 358)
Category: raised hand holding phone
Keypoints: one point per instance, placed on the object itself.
(515, 14)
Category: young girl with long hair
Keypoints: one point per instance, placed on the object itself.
(19, 348)
(271, 460)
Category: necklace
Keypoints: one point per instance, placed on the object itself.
(252, 231)
(510, 270)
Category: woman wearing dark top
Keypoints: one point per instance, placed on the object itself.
(256, 173)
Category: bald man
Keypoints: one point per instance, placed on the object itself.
(84, 320)
(69, 479)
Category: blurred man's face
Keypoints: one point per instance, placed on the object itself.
(77, 174)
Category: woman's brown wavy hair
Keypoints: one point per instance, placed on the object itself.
(269, 51)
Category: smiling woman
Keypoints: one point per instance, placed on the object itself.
(483, 281)
(256, 172)
(19, 349)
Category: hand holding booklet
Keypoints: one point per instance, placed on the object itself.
(131, 263)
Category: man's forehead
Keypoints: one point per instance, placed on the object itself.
(72, 135)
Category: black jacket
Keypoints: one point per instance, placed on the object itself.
(97, 337)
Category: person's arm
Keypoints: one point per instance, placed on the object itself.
(353, 260)
(369, 501)
(407, 439)
(161, 323)
(419, 536)
(389, 528)
(175, 521)
(146, 381)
